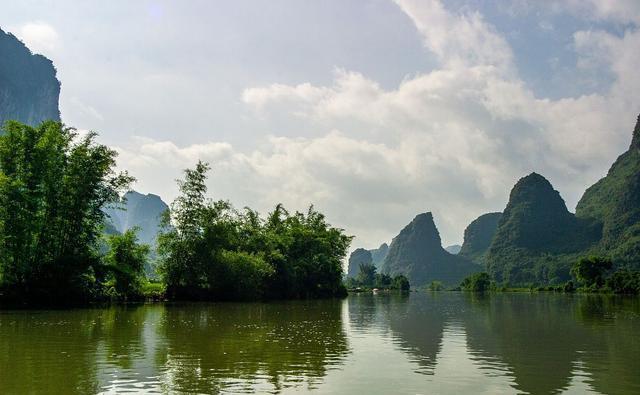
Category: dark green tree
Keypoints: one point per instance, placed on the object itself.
(53, 185)
(624, 281)
(366, 274)
(400, 282)
(209, 250)
(591, 271)
(382, 280)
(125, 261)
(478, 282)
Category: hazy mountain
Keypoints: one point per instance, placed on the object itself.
(358, 257)
(453, 249)
(417, 253)
(29, 89)
(537, 238)
(478, 236)
(614, 201)
(138, 210)
(378, 255)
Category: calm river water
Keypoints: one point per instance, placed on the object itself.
(442, 343)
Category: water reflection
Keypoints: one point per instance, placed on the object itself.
(240, 347)
(537, 343)
(419, 343)
(534, 335)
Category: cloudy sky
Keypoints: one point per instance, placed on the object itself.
(373, 110)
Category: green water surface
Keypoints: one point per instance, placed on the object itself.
(422, 343)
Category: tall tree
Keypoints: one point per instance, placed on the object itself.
(53, 184)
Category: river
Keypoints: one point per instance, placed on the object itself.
(421, 343)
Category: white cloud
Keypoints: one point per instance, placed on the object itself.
(451, 140)
(260, 96)
(619, 11)
(40, 37)
(458, 40)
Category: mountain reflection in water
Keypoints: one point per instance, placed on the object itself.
(417, 343)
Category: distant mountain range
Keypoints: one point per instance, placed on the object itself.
(453, 249)
(361, 256)
(29, 89)
(538, 239)
(417, 253)
(136, 210)
(535, 240)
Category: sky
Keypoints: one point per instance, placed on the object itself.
(373, 111)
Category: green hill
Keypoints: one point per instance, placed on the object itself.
(614, 201)
(478, 236)
(418, 254)
(537, 239)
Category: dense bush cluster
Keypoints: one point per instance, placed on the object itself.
(368, 277)
(209, 250)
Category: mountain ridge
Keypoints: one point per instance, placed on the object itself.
(29, 88)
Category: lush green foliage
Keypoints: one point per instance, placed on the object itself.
(436, 286)
(596, 274)
(125, 262)
(624, 281)
(592, 271)
(367, 274)
(400, 282)
(368, 277)
(477, 282)
(208, 250)
(53, 185)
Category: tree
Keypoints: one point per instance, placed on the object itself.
(53, 185)
(436, 286)
(401, 283)
(382, 280)
(366, 274)
(478, 282)
(624, 281)
(209, 250)
(591, 271)
(125, 261)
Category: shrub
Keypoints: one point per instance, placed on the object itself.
(478, 282)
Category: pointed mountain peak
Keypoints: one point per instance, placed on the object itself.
(530, 184)
(423, 227)
(423, 218)
(635, 142)
(536, 193)
(534, 177)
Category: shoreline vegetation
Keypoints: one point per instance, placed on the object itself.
(592, 275)
(54, 186)
(55, 250)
